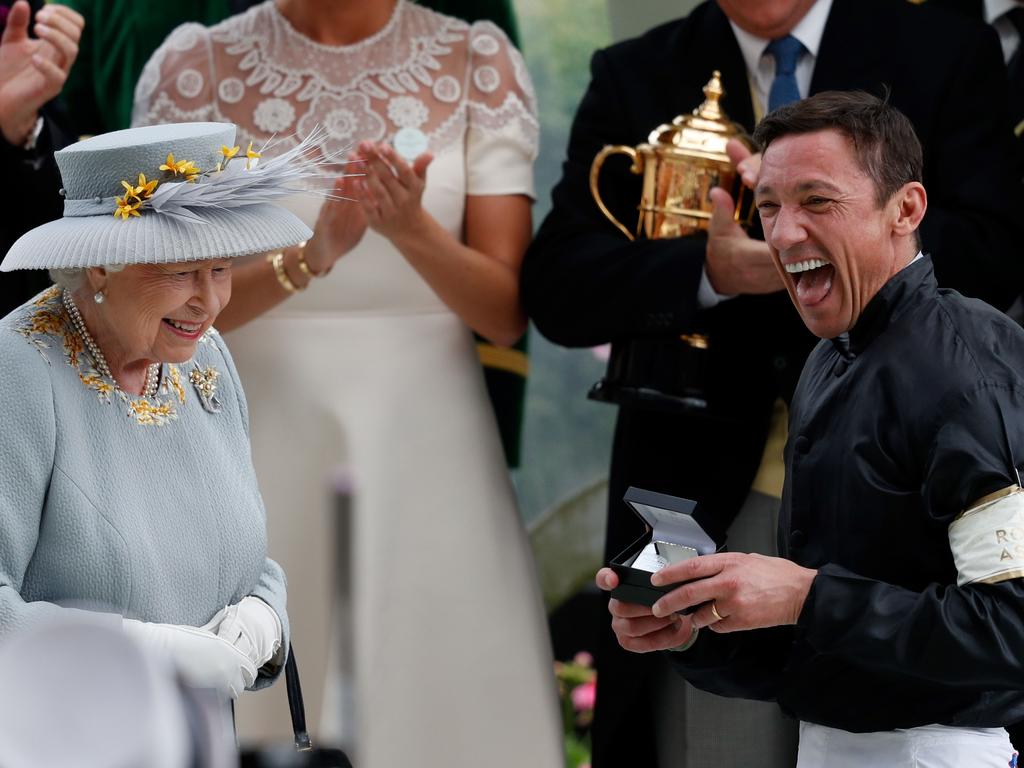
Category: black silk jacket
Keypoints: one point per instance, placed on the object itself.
(893, 432)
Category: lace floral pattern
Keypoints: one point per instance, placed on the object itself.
(347, 118)
(274, 115)
(48, 322)
(423, 70)
(408, 112)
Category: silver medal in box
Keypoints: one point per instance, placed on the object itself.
(672, 536)
(659, 554)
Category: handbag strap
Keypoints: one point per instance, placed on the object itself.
(295, 705)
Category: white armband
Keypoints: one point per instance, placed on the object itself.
(987, 540)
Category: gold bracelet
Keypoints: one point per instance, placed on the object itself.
(304, 267)
(277, 262)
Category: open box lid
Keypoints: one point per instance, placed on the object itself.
(670, 519)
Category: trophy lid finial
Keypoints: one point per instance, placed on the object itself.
(713, 92)
(704, 132)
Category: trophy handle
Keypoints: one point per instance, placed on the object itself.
(595, 173)
(745, 210)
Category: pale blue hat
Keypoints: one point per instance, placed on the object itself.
(194, 211)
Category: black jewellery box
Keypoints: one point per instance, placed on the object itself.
(672, 535)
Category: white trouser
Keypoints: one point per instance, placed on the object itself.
(930, 746)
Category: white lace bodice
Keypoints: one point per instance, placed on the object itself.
(422, 70)
(465, 86)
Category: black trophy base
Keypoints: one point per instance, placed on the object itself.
(605, 391)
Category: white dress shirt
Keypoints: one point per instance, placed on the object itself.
(995, 14)
(761, 65)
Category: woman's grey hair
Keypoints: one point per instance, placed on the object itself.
(73, 279)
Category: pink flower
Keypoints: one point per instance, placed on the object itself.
(584, 695)
(584, 659)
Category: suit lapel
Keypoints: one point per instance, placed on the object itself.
(699, 48)
(722, 52)
(844, 60)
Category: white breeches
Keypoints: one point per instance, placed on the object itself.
(930, 746)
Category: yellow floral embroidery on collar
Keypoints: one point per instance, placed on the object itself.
(48, 320)
(175, 377)
(73, 347)
(149, 414)
(51, 293)
(95, 382)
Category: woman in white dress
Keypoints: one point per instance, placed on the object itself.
(373, 366)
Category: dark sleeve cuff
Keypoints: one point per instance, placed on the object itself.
(836, 599)
(746, 665)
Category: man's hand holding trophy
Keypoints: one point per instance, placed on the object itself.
(737, 263)
(698, 173)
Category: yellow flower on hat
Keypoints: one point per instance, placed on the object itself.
(126, 208)
(188, 169)
(130, 191)
(250, 156)
(185, 168)
(169, 164)
(229, 153)
(145, 188)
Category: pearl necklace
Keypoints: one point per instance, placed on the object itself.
(152, 372)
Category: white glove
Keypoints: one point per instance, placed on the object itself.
(204, 660)
(250, 625)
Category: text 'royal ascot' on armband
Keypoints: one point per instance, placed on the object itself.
(987, 539)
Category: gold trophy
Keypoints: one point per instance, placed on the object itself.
(681, 163)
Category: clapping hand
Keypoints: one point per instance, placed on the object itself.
(34, 71)
(339, 227)
(392, 191)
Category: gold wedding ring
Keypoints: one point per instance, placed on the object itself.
(715, 613)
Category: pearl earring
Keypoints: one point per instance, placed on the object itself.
(98, 297)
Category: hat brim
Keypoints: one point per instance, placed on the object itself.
(99, 241)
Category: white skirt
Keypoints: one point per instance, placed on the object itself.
(930, 746)
(450, 647)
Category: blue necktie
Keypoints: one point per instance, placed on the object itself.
(787, 52)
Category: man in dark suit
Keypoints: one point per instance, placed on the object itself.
(585, 284)
(1007, 18)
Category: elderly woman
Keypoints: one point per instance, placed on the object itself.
(127, 492)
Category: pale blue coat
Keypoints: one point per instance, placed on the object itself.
(161, 521)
